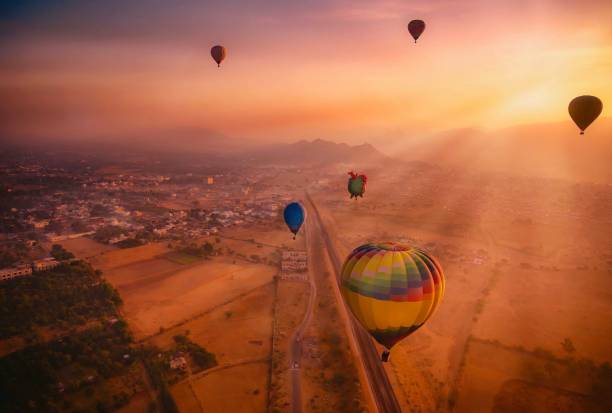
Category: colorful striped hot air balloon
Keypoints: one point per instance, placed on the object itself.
(391, 289)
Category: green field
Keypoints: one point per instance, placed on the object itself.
(181, 258)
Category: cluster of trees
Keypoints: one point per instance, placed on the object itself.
(155, 370)
(10, 224)
(99, 210)
(60, 253)
(42, 377)
(130, 243)
(204, 250)
(197, 214)
(8, 258)
(68, 295)
(104, 234)
(201, 358)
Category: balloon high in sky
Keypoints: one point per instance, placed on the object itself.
(294, 217)
(218, 53)
(392, 289)
(416, 29)
(584, 110)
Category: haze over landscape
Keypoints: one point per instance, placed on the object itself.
(147, 260)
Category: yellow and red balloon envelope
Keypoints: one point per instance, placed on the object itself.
(391, 289)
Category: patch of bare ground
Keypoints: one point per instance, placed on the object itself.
(158, 297)
(85, 247)
(239, 333)
(497, 377)
(289, 310)
(521, 396)
(331, 380)
(119, 257)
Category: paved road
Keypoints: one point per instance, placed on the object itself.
(296, 340)
(384, 397)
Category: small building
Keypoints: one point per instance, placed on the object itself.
(14, 272)
(45, 264)
(294, 265)
(178, 363)
(295, 255)
(117, 239)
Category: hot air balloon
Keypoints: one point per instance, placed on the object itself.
(392, 289)
(294, 217)
(218, 53)
(584, 110)
(416, 28)
(357, 184)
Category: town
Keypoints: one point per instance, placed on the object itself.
(47, 205)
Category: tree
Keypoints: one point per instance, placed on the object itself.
(568, 346)
(78, 226)
(7, 258)
(208, 248)
(99, 210)
(60, 253)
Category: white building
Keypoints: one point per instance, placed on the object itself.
(294, 262)
(19, 271)
(45, 264)
(295, 255)
(178, 363)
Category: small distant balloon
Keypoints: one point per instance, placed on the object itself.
(294, 217)
(356, 184)
(584, 110)
(416, 28)
(218, 53)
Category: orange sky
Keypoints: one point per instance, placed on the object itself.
(343, 70)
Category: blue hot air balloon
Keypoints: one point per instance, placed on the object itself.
(294, 217)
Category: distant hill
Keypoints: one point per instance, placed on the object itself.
(554, 150)
(315, 152)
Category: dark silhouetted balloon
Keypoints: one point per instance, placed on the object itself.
(294, 217)
(416, 28)
(584, 110)
(218, 53)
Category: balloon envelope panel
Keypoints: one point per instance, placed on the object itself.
(392, 289)
(356, 186)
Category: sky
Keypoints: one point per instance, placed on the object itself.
(336, 69)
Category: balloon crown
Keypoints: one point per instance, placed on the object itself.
(356, 175)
